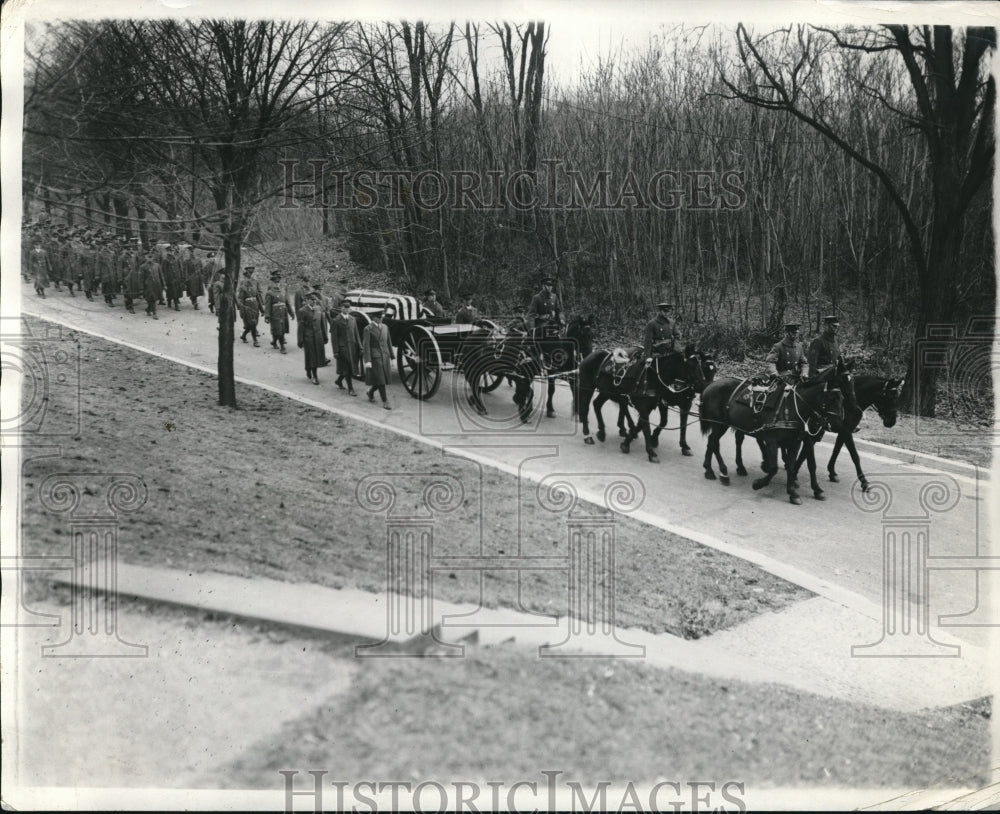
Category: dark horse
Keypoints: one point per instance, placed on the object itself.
(810, 408)
(636, 384)
(869, 391)
(511, 356)
(680, 396)
(563, 353)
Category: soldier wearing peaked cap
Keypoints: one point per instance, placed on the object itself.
(545, 311)
(277, 311)
(824, 350)
(787, 357)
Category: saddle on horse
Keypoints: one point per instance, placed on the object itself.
(623, 364)
(767, 399)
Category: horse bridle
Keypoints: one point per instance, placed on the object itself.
(815, 413)
(884, 393)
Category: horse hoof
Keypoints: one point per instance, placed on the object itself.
(865, 486)
(759, 483)
(653, 458)
(834, 478)
(624, 448)
(654, 442)
(795, 500)
(601, 436)
(686, 452)
(741, 471)
(588, 440)
(709, 474)
(724, 480)
(550, 413)
(622, 433)
(819, 495)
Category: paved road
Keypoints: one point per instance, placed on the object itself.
(832, 547)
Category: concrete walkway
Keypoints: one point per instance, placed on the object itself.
(806, 646)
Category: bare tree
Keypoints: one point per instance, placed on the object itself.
(950, 102)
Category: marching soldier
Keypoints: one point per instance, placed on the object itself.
(131, 277)
(194, 283)
(546, 311)
(376, 350)
(152, 282)
(41, 267)
(824, 350)
(250, 304)
(277, 311)
(312, 335)
(172, 279)
(346, 346)
(105, 272)
(86, 259)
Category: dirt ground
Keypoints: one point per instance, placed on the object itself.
(424, 719)
(269, 490)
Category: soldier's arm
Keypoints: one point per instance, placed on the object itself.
(772, 360)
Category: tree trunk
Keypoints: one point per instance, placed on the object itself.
(227, 308)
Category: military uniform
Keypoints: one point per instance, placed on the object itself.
(194, 283)
(312, 336)
(277, 310)
(152, 283)
(786, 356)
(824, 351)
(250, 304)
(41, 268)
(467, 314)
(545, 310)
(377, 353)
(346, 341)
(172, 279)
(661, 336)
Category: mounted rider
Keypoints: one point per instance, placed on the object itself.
(661, 337)
(546, 311)
(824, 350)
(787, 358)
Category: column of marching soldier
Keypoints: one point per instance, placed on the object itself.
(96, 263)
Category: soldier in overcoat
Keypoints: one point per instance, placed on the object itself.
(376, 350)
(312, 335)
(277, 311)
(194, 282)
(346, 340)
(251, 304)
(152, 282)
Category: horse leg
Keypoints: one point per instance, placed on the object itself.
(685, 412)
(633, 431)
(770, 452)
(474, 399)
(831, 467)
(646, 435)
(598, 404)
(851, 448)
(549, 409)
(583, 400)
(809, 452)
(740, 469)
(712, 449)
(654, 437)
(791, 472)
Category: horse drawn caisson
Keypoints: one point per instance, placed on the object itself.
(483, 352)
(425, 345)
